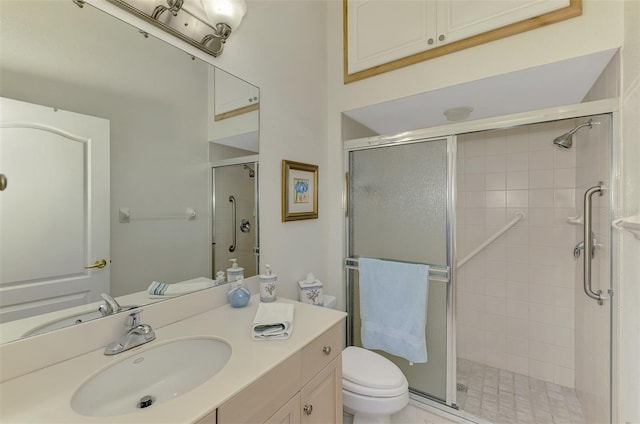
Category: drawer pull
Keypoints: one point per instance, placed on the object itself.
(308, 409)
(327, 350)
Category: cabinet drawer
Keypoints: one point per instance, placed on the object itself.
(317, 354)
(262, 399)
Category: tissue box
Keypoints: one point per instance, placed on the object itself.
(310, 291)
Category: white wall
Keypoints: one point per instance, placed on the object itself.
(281, 47)
(628, 351)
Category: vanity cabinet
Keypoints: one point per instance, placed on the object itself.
(383, 31)
(305, 388)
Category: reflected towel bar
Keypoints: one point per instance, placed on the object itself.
(437, 273)
(125, 216)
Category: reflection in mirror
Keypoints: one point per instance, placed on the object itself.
(158, 104)
(234, 129)
(235, 214)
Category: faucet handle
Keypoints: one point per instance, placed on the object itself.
(133, 319)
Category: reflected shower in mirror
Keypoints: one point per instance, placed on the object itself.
(162, 136)
(235, 217)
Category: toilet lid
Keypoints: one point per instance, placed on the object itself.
(368, 373)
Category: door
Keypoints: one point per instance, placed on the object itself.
(54, 211)
(400, 199)
(369, 44)
(458, 20)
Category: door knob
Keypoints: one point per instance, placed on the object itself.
(308, 409)
(100, 263)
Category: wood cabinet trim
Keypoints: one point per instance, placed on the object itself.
(236, 112)
(574, 9)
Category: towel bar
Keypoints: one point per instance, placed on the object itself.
(437, 273)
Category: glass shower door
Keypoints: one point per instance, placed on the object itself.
(400, 200)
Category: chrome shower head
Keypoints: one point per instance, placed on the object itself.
(252, 173)
(566, 140)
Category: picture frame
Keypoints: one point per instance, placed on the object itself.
(299, 191)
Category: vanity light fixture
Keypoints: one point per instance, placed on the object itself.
(204, 24)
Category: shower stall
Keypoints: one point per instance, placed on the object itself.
(519, 307)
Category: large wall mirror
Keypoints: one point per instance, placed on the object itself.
(127, 187)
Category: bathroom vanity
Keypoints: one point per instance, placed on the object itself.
(294, 380)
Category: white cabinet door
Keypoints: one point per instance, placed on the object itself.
(321, 398)
(381, 31)
(54, 212)
(231, 93)
(288, 414)
(460, 19)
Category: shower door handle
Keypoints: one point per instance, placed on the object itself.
(588, 243)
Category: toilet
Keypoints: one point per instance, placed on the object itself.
(373, 388)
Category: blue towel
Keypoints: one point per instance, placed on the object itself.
(393, 307)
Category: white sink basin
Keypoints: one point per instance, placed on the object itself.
(155, 375)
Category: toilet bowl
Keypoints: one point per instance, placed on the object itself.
(373, 388)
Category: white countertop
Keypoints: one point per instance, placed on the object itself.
(44, 396)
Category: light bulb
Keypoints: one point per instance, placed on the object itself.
(228, 12)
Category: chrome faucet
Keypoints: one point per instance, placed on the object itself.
(135, 335)
(111, 306)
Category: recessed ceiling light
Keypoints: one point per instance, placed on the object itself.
(458, 113)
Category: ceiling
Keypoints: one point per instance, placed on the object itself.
(555, 84)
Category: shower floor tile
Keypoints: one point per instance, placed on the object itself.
(504, 397)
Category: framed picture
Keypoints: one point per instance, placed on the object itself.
(299, 191)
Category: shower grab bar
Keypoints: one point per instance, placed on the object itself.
(233, 222)
(519, 216)
(588, 243)
(437, 273)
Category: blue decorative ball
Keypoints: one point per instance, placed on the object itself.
(239, 297)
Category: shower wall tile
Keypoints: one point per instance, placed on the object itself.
(517, 294)
(495, 163)
(541, 179)
(517, 162)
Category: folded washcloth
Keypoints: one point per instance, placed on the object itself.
(159, 290)
(273, 321)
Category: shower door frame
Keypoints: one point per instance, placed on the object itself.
(450, 389)
(606, 106)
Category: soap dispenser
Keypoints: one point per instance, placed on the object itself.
(235, 272)
(268, 285)
(239, 295)
(219, 278)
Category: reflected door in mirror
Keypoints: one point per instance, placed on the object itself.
(54, 212)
